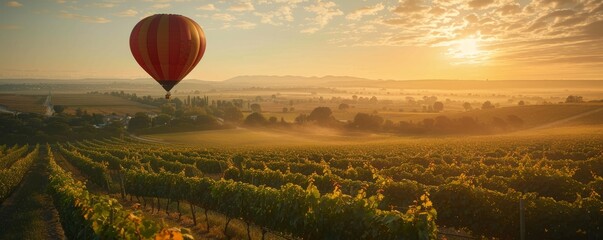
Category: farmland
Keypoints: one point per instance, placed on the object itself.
(288, 179)
(100, 104)
(472, 184)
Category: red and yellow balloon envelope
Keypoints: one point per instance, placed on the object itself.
(167, 47)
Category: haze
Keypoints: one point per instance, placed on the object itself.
(412, 39)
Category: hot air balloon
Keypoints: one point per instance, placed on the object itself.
(167, 47)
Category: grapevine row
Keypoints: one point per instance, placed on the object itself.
(11, 177)
(88, 216)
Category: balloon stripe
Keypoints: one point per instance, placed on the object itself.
(152, 46)
(163, 46)
(186, 47)
(134, 46)
(201, 49)
(202, 43)
(142, 47)
(194, 36)
(175, 44)
(186, 63)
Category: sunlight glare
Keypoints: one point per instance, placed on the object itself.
(467, 50)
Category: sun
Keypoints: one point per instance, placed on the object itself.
(466, 49)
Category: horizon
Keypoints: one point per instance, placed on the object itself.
(401, 40)
(295, 76)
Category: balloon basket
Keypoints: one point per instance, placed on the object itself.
(168, 95)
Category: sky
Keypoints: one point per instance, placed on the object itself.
(402, 40)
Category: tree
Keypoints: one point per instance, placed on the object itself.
(301, 118)
(487, 105)
(233, 114)
(438, 106)
(364, 121)
(468, 124)
(443, 122)
(59, 109)
(343, 106)
(321, 115)
(388, 125)
(467, 106)
(273, 120)
(255, 119)
(168, 109)
(139, 121)
(521, 103)
(256, 108)
(58, 125)
(205, 120)
(161, 119)
(373, 100)
(574, 99)
(285, 110)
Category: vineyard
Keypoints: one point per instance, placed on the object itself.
(371, 191)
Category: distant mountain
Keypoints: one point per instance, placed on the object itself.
(261, 81)
(345, 81)
(286, 81)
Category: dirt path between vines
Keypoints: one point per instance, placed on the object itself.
(29, 212)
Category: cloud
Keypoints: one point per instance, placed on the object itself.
(507, 31)
(477, 4)
(410, 6)
(161, 5)
(84, 18)
(509, 9)
(14, 4)
(244, 25)
(594, 29)
(165, 1)
(365, 11)
(239, 25)
(556, 3)
(310, 30)
(242, 7)
(324, 12)
(288, 2)
(277, 17)
(225, 17)
(105, 5)
(207, 7)
(127, 13)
